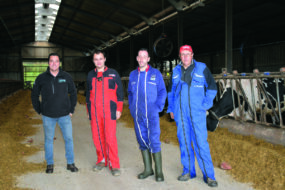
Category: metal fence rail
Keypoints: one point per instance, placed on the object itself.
(263, 95)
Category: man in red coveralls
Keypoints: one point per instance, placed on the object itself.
(104, 99)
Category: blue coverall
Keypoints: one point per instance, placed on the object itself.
(191, 93)
(146, 95)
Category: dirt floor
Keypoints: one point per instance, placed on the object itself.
(255, 163)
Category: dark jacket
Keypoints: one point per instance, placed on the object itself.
(58, 94)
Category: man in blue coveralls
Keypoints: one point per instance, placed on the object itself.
(146, 95)
(191, 93)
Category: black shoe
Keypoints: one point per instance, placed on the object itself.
(115, 172)
(184, 177)
(49, 169)
(72, 167)
(212, 183)
(99, 166)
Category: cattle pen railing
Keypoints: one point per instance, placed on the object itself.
(256, 97)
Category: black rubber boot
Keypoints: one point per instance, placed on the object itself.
(158, 166)
(49, 169)
(147, 165)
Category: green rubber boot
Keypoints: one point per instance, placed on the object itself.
(147, 165)
(158, 166)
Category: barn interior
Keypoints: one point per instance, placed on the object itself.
(234, 35)
(227, 35)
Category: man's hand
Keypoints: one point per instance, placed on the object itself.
(171, 115)
(118, 114)
(70, 114)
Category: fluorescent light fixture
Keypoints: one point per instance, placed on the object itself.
(38, 5)
(51, 17)
(45, 14)
(54, 6)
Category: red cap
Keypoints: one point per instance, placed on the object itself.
(186, 47)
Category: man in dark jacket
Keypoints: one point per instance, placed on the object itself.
(58, 100)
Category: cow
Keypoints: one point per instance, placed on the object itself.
(221, 108)
(254, 99)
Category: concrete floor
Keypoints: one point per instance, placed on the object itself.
(130, 160)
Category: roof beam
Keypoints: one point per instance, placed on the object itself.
(70, 45)
(15, 29)
(78, 4)
(4, 9)
(80, 33)
(97, 17)
(182, 5)
(21, 34)
(75, 39)
(7, 30)
(21, 18)
(31, 16)
(117, 6)
(86, 26)
(179, 5)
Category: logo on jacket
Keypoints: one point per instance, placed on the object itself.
(61, 80)
(198, 75)
(174, 77)
(152, 83)
(112, 75)
(152, 77)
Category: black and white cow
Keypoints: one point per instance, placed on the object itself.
(254, 99)
(224, 106)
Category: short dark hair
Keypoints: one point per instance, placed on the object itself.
(53, 54)
(98, 52)
(144, 49)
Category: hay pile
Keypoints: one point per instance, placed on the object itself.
(15, 126)
(252, 160)
(81, 99)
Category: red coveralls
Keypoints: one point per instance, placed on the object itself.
(104, 96)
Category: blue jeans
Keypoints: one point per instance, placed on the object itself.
(65, 125)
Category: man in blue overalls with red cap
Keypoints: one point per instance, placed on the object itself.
(146, 95)
(191, 93)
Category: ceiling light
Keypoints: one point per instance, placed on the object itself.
(45, 14)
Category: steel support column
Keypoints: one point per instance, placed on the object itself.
(132, 57)
(62, 58)
(180, 30)
(150, 45)
(118, 63)
(229, 40)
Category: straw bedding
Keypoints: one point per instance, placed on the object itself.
(252, 160)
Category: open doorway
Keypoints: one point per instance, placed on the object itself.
(31, 69)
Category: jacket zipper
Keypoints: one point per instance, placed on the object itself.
(52, 85)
